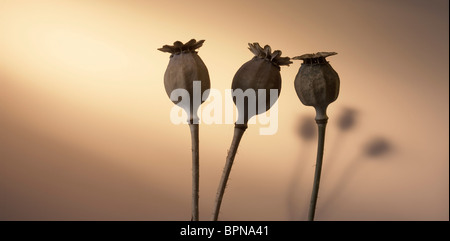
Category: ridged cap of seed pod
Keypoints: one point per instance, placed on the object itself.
(178, 47)
(267, 54)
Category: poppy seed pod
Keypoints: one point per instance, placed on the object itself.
(316, 83)
(185, 67)
(262, 72)
(187, 77)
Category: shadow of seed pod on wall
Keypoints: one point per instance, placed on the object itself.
(262, 72)
(317, 83)
(185, 67)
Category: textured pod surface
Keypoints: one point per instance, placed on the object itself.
(262, 72)
(185, 67)
(258, 74)
(317, 83)
(183, 70)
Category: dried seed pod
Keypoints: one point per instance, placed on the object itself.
(185, 67)
(261, 72)
(316, 83)
(184, 70)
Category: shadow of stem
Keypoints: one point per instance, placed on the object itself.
(376, 148)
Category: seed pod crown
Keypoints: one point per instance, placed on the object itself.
(317, 55)
(267, 54)
(178, 47)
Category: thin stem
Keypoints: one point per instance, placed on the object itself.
(195, 171)
(312, 208)
(238, 133)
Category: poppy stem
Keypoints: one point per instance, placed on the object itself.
(195, 171)
(315, 191)
(238, 133)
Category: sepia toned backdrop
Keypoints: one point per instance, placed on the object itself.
(85, 130)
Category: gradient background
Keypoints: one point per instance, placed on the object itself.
(85, 132)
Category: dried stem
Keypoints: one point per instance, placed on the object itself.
(315, 191)
(195, 171)
(238, 133)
